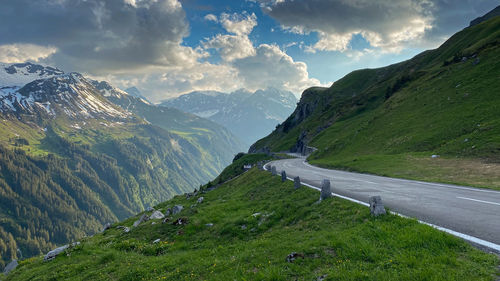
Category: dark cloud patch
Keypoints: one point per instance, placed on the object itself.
(385, 23)
(101, 35)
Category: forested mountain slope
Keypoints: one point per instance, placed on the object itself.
(71, 160)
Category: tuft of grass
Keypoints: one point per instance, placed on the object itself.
(258, 221)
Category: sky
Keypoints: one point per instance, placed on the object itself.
(166, 48)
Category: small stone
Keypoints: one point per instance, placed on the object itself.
(209, 224)
(106, 227)
(434, 156)
(177, 209)
(156, 215)
(283, 176)
(153, 223)
(243, 227)
(156, 241)
(166, 220)
(168, 212)
(125, 229)
(326, 191)
(11, 266)
(273, 171)
(293, 256)
(466, 140)
(376, 206)
(200, 200)
(180, 221)
(322, 277)
(143, 218)
(255, 215)
(296, 182)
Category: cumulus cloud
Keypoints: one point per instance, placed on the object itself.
(386, 24)
(15, 53)
(98, 35)
(231, 47)
(270, 66)
(239, 24)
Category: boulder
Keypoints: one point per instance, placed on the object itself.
(296, 182)
(141, 220)
(283, 176)
(326, 191)
(156, 215)
(106, 227)
(200, 200)
(376, 206)
(177, 209)
(52, 254)
(273, 171)
(11, 266)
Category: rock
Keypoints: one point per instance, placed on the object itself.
(322, 277)
(11, 266)
(255, 215)
(141, 220)
(106, 227)
(464, 59)
(376, 206)
(180, 221)
(19, 254)
(150, 209)
(273, 171)
(434, 156)
(283, 176)
(168, 212)
(293, 256)
(177, 209)
(156, 215)
(166, 220)
(125, 229)
(209, 224)
(296, 182)
(153, 223)
(200, 200)
(156, 241)
(243, 227)
(52, 254)
(326, 191)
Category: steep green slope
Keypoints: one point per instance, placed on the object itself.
(391, 120)
(246, 228)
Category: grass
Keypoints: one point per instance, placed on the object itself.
(337, 238)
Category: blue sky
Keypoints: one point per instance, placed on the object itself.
(169, 47)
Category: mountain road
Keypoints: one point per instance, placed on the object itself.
(466, 210)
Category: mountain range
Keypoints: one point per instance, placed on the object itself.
(247, 115)
(77, 153)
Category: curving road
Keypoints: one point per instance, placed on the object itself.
(464, 210)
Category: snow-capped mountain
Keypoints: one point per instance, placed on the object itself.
(249, 116)
(29, 90)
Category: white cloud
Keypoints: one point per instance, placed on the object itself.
(15, 53)
(273, 67)
(211, 17)
(239, 24)
(231, 47)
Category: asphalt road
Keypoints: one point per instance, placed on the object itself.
(467, 210)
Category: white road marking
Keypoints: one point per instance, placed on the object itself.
(481, 201)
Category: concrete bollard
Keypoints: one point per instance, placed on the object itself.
(283, 176)
(273, 171)
(296, 182)
(376, 206)
(326, 191)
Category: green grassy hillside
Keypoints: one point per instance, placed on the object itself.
(391, 120)
(244, 230)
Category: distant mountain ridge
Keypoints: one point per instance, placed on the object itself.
(248, 115)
